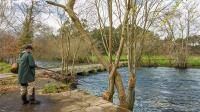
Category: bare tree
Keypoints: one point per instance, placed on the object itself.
(114, 75)
(97, 4)
(177, 23)
(27, 30)
(7, 13)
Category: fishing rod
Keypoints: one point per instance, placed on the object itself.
(82, 81)
(48, 70)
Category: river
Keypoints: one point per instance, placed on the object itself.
(48, 64)
(157, 89)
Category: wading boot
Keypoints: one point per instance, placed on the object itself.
(24, 100)
(32, 100)
(32, 97)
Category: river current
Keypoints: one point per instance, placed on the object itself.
(157, 89)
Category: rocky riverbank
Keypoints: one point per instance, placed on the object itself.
(68, 101)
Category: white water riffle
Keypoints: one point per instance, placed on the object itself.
(157, 90)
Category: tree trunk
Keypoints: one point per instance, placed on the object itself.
(111, 79)
(85, 35)
(132, 40)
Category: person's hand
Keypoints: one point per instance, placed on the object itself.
(36, 66)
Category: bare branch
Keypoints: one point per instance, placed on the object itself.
(56, 4)
(71, 3)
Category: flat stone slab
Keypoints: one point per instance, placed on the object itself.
(71, 101)
(94, 109)
(71, 108)
(80, 101)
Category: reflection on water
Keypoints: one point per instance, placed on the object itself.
(157, 90)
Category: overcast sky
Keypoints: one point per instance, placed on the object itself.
(84, 9)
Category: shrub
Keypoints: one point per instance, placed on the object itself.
(50, 88)
(53, 88)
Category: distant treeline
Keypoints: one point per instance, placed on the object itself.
(47, 45)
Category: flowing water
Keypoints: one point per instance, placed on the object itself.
(157, 90)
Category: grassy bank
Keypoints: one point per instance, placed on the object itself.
(149, 61)
(164, 61)
(194, 61)
(95, 60)
(4, 67)
(158, 61)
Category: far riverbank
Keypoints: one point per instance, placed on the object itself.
(147, 61)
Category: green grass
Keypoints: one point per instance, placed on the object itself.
(50, 88)
(156, 61)
(193, 61)
(122, 58)
(4, 67)
(53, 88)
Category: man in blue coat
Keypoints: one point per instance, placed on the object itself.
(26, 73)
